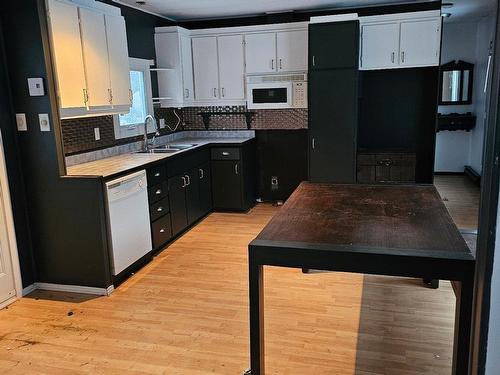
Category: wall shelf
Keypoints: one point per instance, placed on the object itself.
(456, 121)
(207, 117)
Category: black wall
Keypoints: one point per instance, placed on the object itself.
(398, 112)
(14, 172)
(280, 153)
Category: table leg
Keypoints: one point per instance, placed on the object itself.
(256, 276)
(463, 320)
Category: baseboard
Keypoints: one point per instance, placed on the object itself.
(69, 288)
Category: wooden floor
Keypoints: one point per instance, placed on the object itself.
(187, 313)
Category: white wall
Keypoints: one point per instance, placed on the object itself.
(485, 29)
(453, 147)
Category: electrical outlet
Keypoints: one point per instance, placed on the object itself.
(43, 118)
(162, 123)
(22, 125)
(274, 183)
(97, 134)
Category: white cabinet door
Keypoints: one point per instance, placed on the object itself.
(420, 42)
(95, 57)
(116, 34)
(379, 46)
(67, 46)
(260, 53)
(292, 50)
(206, 77)
(187, 68)
(231, 67)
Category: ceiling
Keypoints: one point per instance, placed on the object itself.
(183, 10)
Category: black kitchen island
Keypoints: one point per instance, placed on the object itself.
(395, 230)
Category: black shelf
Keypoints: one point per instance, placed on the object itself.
(456, 121)
(208, 115)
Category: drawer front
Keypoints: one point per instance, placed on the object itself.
(223, 153)
(162, 231)
(157, 192)
(156, 175)
(159, 209)
(185, 162)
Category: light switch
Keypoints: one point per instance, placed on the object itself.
(22, 125)
(162, 123)
(44, 122)
(35, 86)
(97, 134)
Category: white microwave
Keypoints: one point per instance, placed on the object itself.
(277, 91)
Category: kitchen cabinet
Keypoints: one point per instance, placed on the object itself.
(400, 41)
(193, 204)
(205, 183)
(291, 49)
(177, 197)
(175, 67)
(231, 67)
(386, 167)
(205, 67)
(233, 177)
(260, 53)
(380, 46)
(89, 48)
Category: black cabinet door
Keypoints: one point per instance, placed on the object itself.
(204, 176)
(227, 185)
(334, 45)
(177, 198)
(193, 196)
(333, 117)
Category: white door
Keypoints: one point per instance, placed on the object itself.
(206, 77)
(68, 56)
(95, 56)
(420, 43)
(187, 68)
(260, 53)
(119, 71)
(380, 46)
(231, 67)
(292, 50)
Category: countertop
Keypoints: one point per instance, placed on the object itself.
(121, 163)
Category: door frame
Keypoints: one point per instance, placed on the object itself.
(11, 232)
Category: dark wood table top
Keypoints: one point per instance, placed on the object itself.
(389, 219)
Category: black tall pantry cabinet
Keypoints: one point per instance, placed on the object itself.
(333, 101)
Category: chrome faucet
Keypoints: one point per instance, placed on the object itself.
(148, 145)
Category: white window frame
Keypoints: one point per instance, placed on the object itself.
(137, 129)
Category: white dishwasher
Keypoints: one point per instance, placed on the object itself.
(128, 219)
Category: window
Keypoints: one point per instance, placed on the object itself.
(131, 124)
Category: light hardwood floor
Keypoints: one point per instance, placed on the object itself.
(187, 313)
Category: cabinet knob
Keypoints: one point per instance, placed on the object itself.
(162, 230)
(157, 174)
(159, 209)
(236, 171)
(158, 192)
(202, 173)
(225, 153)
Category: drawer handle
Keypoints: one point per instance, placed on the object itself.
(158, 192)
(157, 174)
(159, 209)
(162, 230)
(225, 153)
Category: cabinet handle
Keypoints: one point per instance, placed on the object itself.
(202, 174)
(280, 65)
(313, 144)
(223, 92)
(158, 192)
(162, 230)
(110, 93)
(215, 92)
(314, 60)
(236, 168)
(187, 93)
(159, 209)
(402, 56)
(393, 56)
(183, 182)
(272, 64)
(157, 174)
(130, 96)
(188, 180)
(225, 153)
(85, 96)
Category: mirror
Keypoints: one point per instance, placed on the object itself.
(456, 83)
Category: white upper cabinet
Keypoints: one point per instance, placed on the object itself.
(403, 40)
(205, 67)
(95, 57)
(187, 68)
(260, 53)
(231, 67)
(116, 35)
(420, 42)
(68, 58)
(292, 50)
(379, 46)
(90, 52)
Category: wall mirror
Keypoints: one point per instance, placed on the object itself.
(456, 83)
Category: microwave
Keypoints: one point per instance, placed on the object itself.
(277, 91)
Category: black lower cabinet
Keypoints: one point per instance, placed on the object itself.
(177, 199)
(193, 207)
(162, 231)
(233, 177)
(205, 183)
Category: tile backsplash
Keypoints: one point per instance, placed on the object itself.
(78, 134)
